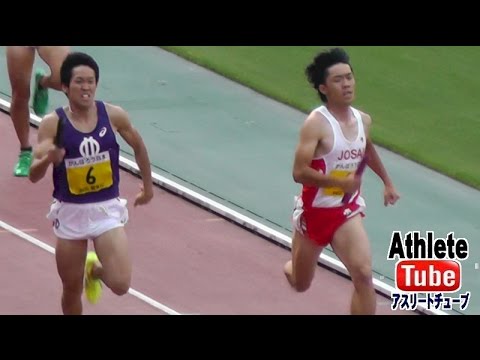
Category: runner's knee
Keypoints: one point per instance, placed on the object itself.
(119, 286)
(362, 275)
(302, 285)
(54, 81)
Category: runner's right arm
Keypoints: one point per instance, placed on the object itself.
(311, 134)
(45, 151)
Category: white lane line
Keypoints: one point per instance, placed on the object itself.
(23, 230)
(51, 250)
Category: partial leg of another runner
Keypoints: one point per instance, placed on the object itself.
(19, 63)
(53, 56)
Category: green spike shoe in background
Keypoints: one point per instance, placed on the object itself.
(40, 95)
(22, 168)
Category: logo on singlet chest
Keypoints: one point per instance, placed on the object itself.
(350, 154)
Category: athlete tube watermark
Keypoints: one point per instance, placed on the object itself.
(431, 266)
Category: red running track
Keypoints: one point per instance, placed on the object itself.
(185, 258)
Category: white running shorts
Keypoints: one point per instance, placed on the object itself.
(87, 221)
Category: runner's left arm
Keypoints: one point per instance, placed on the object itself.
(375, 163)
(120, 120)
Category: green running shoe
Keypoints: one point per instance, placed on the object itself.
(40, 95)
(22, 168)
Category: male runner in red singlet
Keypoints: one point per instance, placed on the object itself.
(333, 140)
